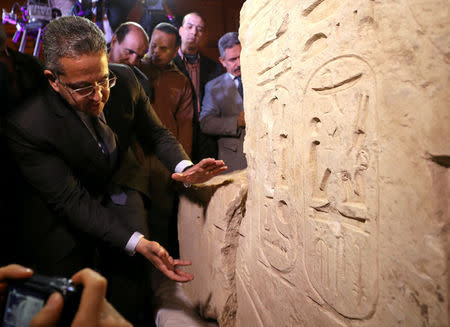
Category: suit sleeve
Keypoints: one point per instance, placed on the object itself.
(62, 190)
(212, 118)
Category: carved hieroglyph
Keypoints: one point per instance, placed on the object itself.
(347, 113)
(341, 185)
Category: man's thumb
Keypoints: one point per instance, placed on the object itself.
(50, 313)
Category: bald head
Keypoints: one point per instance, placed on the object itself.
(129, 44)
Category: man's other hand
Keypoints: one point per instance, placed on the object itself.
(161, 259)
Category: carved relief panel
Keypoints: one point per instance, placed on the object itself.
(341, 186)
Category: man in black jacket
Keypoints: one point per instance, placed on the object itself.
(200, 69)
(70, 142)
(21, 77)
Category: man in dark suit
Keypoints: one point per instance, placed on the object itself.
(200, 69)
(70, 142)
(20, 77)
(222, 112)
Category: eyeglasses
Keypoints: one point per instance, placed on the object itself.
(90, 90)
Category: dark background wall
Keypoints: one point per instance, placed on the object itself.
(221, 15)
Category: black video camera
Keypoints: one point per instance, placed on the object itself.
(27, 297)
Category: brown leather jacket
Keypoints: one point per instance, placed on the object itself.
(172, 101)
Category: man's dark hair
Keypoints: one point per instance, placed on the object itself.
(70, 37)
(124, 28)
(227, 41)
(169, 29)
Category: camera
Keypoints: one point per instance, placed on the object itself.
(25, 298)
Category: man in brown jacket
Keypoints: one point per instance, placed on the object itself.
(173, 103)
(172, 99)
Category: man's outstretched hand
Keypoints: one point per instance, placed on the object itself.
(201, 172)
(161, 259)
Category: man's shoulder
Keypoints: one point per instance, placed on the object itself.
(126, 77)
(34, 112)
(139, 74)
(177, 73)
(21, 58)
(217, 82)
(121, 69)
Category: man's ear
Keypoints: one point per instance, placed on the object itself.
(222, 61)
(113, 41)
(175, 52)
(51, 79)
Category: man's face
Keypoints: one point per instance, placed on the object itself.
(191, 31)
(162, 48)
(84, 71)
(232, 60)
(132, 49)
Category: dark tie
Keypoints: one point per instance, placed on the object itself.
(240, 89)
(106, 138)
(107, 143)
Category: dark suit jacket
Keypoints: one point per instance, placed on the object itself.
(69, 175)
(28, 76)
(16, 86)
(145, 83)
(203, 146)
(220, 111)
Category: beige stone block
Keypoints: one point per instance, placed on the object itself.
(208, 225)
(347, 214)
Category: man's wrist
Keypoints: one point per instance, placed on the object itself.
(132, 243)
(183, 165)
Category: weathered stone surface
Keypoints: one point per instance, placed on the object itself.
(347, 217)
(209, 220)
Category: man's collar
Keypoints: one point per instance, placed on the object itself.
(62, 107)
(185, 59)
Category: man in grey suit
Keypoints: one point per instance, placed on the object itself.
(222, 113)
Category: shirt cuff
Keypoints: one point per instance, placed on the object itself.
(182, 165)
(130, 248)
